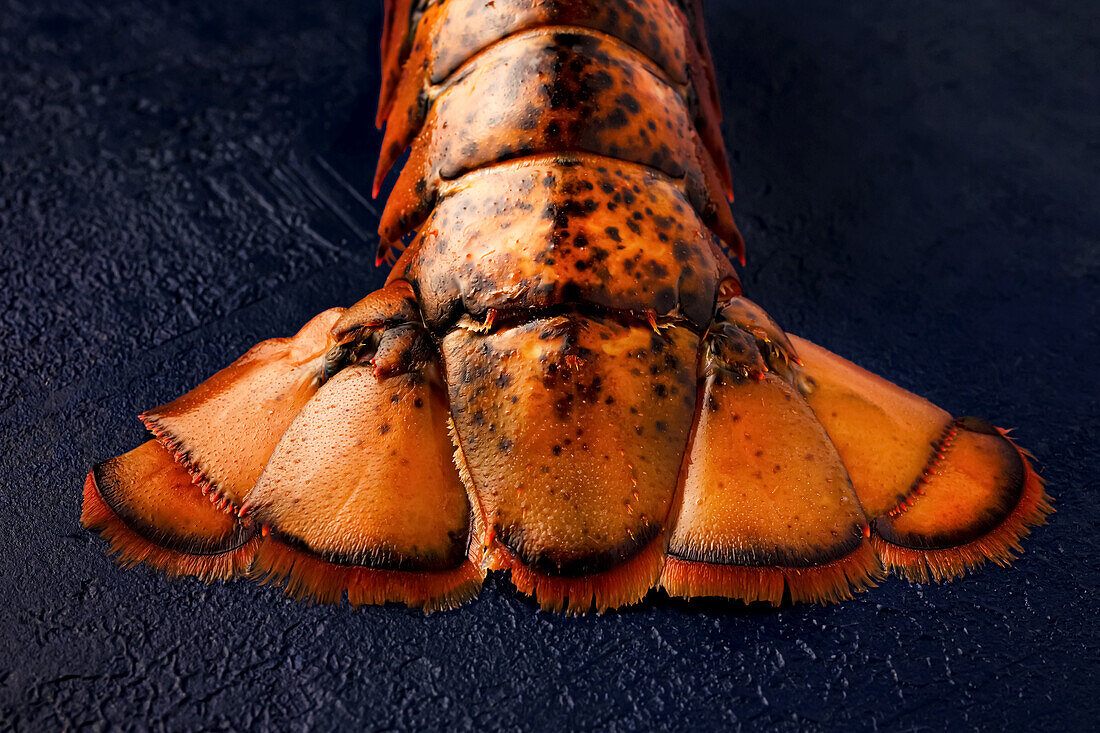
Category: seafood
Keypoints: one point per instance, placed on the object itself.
(561, 377)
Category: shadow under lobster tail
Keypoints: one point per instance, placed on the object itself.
(766, 508)
(570, 431)
(147, 507)
(944, 495)
(361, 495)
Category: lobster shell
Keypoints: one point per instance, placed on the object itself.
(561, 378)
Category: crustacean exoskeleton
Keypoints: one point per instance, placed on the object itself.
(561, 377)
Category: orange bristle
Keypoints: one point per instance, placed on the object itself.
(835, 581)
(623, 585)
(310, 578)
(131, 549)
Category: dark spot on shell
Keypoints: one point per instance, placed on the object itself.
(629, 102)
(617, 119)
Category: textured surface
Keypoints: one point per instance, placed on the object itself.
(916, 185)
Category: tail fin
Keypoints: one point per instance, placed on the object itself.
(943, 495)
(571, 430)
(766, 506)
(361, 496)
(224, 430)
(145, 504)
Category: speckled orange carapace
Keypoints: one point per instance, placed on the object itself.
(561, 377)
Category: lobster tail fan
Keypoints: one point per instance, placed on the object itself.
(145, 504)
(361, 497)
(613, 416)
(944, 495)
(224, 430)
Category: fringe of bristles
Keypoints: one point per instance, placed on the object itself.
(829, 583)
(131, 549)
(1001, 545)
(623, 585)
(176, 447)
(310, 578)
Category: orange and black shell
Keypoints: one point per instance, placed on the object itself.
(560, 378)
(556, 161)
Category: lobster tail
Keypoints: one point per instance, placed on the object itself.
(560, 378)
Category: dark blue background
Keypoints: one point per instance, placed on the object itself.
(917, 184)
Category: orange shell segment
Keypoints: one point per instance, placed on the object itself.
(552, 230)
(657, 28)
(572, 430)
(452, 34)
(884, 433)
(225, 429)
(763, 487)
(364, 477)
(546, 91)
